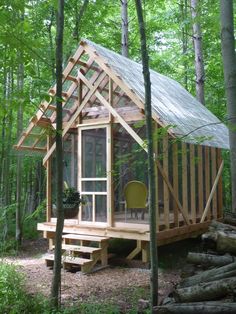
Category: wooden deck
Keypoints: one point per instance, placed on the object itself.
(140, 233)
(137, 233)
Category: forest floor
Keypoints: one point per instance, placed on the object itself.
(117, 284)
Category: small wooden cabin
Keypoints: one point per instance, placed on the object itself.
(104, 148)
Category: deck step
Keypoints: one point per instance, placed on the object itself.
(68, 262)
(69, 259)
(83, 237)
(80, 249)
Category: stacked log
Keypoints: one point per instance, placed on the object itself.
(214, 288)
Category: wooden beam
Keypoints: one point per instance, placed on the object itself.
(110, 159)
(213, 176)
(155, 148)
(200, 185)
(49, 182)
(166, 190)
(193, 182)
(220, 187)
(36, 149)
(121, 83)
(185, 178)
(71, 78)
(175, 181)
(70, 91)
(76, 114)
(207, 178)
(212, 192)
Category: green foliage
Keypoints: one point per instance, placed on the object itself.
(128, 302)
(13, 298)
(30, 221)
(98, 308)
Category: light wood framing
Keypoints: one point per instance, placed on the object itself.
(166, 190)
(175, 163)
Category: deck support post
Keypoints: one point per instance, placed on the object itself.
(104, 255)
(142, 246)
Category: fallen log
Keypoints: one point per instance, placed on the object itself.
(229, 218)
(209, 259)
(196, 307)
(216, 225)
(208, 275)
(205, 291)
(226, 241)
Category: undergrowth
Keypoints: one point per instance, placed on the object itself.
(15, 300)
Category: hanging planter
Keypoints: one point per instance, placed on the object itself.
(71, 203)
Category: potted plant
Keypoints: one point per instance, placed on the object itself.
(71, 202)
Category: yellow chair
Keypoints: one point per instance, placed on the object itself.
(136, 194)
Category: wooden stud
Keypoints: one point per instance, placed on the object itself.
(110, 202)
(49, 182)
(110, 144)
(213, 176)
(185, 178)
(205, 213)
(166, 190)
(200, 185)
(145, 251)
(192, 183)
(175, 181)
(220, 187)
(155, 147)
(207, 179)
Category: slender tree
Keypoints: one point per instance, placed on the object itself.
(229, 63)
(56, 282)
(184, 15)
(197, 43)
(78, 18)
(151, 163)
(124, 28)
(19, 166)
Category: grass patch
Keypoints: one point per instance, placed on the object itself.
(119, 301)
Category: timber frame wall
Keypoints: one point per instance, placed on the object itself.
(190, 175)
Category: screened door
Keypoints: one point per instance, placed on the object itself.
(93, 174)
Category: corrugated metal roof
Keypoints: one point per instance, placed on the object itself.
(170, 101)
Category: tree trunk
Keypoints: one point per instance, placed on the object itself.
(193, 308)
(151, 165)
(20, 83)
(56, 281)
(49, 27)
(78, 18)
(184, 16)
(197, 43)
(206, 291)
(229, 63)
(209, 260)
(208, 275)
(124, 29)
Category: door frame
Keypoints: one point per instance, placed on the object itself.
(108, 178)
